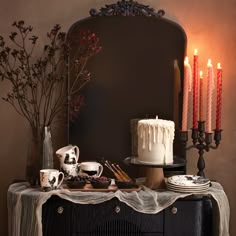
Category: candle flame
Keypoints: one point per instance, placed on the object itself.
(186, 60)
(201, 74)
(209, 62)
(218, 66)
(195, 52)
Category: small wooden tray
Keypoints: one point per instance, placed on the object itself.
(112, 188)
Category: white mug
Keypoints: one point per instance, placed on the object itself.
(50, 179)
(68, 157)
(90, 168)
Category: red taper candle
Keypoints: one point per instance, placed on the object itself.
(219, 97)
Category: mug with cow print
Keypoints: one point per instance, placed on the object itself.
(68, 157)
(50, 179)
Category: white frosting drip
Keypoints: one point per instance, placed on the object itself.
(155, 140)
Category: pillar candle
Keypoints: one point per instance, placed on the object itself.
(210, 87)
(219, 97)
(195, 89)
(177, 88)
(186, 89)
(201, 96)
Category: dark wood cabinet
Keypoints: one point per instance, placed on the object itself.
(186, 217)
(190, 217)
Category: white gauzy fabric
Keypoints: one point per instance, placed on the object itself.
(25, 205)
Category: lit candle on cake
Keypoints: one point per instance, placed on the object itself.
(186, 90)
(201, 96)
(219, 97)
(210, 87)
(195, 89)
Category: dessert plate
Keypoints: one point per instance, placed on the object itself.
(188, 181)
(188, 190)
(187, 187)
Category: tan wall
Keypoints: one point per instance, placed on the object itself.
(209, 25)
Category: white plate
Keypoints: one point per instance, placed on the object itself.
(183, 190)
(188, 180)
(184, 187)
(188, 191)
(187, 186)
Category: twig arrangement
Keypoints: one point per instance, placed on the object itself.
(38, 84)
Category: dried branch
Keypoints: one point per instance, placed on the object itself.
(38, 86)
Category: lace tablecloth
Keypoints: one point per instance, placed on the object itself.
(25, 205)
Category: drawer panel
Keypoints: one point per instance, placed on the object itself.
(183, 218)
(115, 217)
(64, 218)
(189, 217)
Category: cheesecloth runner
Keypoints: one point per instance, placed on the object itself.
(25, 205)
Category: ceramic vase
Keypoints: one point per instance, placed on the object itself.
(39, 155)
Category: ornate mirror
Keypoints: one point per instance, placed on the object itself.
(131, 77)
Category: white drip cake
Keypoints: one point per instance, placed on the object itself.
(155, 141)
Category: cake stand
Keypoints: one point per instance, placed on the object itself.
(154, 172)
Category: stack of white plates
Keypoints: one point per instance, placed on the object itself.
(188, 183)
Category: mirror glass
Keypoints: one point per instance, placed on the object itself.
(131, 77)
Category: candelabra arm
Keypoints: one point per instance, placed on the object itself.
(208, 141)
(184, 140)
(202, 141)
(214, 147)
(190, 147)
(194, 136)
(217, 139)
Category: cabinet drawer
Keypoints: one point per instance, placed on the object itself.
(61, 217)
(113, 216)
(183, 218)
(189, 217)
